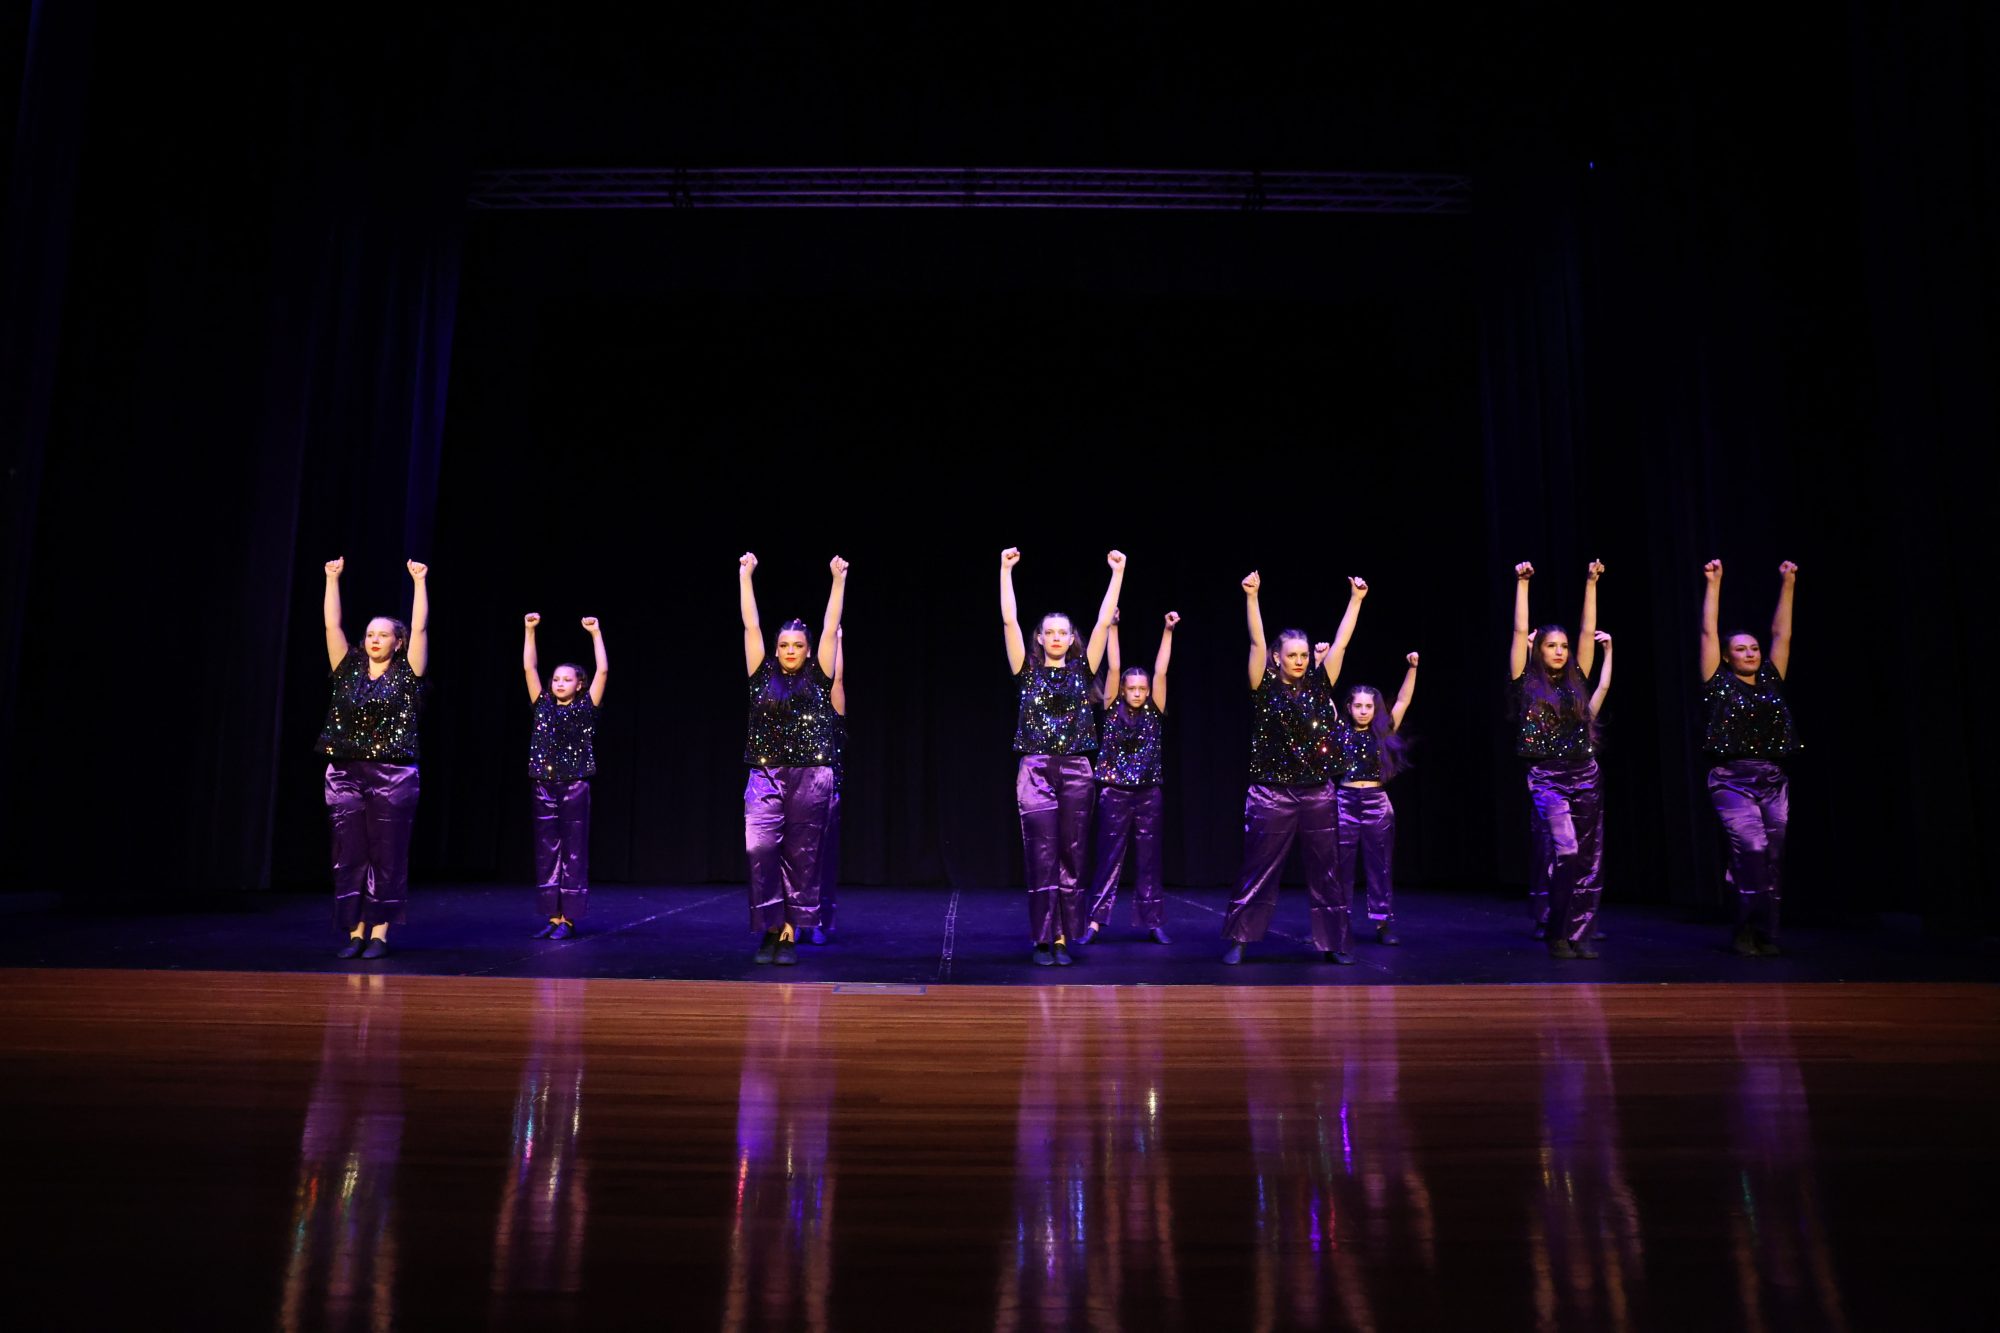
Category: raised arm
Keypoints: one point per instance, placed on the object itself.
(1781, 619)
(829, 630)
(753, 628)
(1114, 666)
(336, 637)
(1336, 656)
(420, 616)
(531, 663)
(1260, 655)
(1404, 695)
(1586, 625)
(1603, 677)
(1711, 612)
(840, 672)
(603, 673)
(1093, 652)
(1160, 660)
(1517, 653)
(1010, 615)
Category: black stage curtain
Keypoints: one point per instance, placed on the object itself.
(1719, 297)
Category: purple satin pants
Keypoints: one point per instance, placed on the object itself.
(1128, 818)
(562, 847)
(1367, 833)
(1754, 805)
(829, 860)
(1569, 820)
(1055, 793)
(371, 807)
(1538, 868)
(1272, 818)
(784, 817)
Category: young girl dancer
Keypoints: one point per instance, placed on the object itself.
(1129, 803)
(791, 750)
(1371, 753)
(1749, 735)
(370, 740)
(561, 764)
(1292, 752)
(1557, 736)
(1055, 735)
(1538, 867)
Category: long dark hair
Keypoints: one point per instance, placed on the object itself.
(1391, 749)
(1568, 696)
(1076, 659)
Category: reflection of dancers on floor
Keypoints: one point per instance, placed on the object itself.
(342, 1262)
(561, 763)
(538, 1237)
(1130, 806)
(781, 1231)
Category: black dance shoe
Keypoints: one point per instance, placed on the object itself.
(1744, 943)
(548, 929)
(787, 954)
(377, 948)
(818, 936)
(1560, 948)
(1386, 934)
(563, 930)
(1044, 956)
(1234, 953)
(351, 949)
(767, 949)
(1062, 957)
(1336, 956)
(1160, 935)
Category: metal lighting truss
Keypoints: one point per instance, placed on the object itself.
(971, 187)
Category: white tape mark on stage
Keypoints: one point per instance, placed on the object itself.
(950, 937)
(614, 930)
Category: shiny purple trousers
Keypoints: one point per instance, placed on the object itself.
(562, 847)
(1754, 805)
(371, 807)
(1538, 868)
(1569, 838)
(1055, 793)
(1367, 834)
(1129, 819)
(784, 818)
(829, 860)
(1273, 817)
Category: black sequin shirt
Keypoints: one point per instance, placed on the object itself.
(1547, 734)
(373, 718)
(792, 722)
(1295, 731)
(1748, 721)
(1360, 758)
(1057, 716)
(1130, 755)
(559, 750)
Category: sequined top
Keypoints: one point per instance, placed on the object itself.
(1544, 733)
(559, 750)
(792, 722)
(1360, 757)
(1748, 721)
(373, 718)
(1056, 713)
(839, 752)
(1295, 731)
(1130, 756)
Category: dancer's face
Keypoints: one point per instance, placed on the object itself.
(381, 642)
(792, 649)
(1361, 710)
(565, 684)
(1746, 655)
(1136, 691)
(1295, 658)
(1057, 637)
(1555, 652)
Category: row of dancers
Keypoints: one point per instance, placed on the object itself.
(1089, 739)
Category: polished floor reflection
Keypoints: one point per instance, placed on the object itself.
(380, 1152)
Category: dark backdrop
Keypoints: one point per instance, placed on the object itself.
(1728, 297)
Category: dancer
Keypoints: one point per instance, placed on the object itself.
(561, 764)
(1748, 736)
(1292, 752)
(791, 751)
(1056, 736)
(1371, 753)
(1538, 864)
(1557, 736)
(1129, 803)
(370, 740)
(829, 841)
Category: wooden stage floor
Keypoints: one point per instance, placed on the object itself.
(302, 1151)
